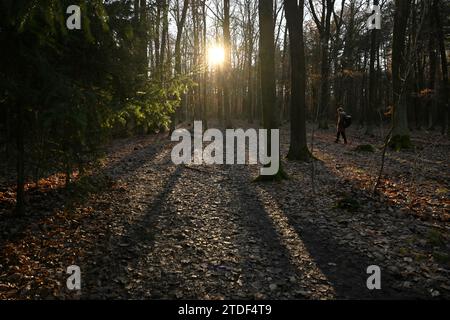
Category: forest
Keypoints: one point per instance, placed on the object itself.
(92, 94)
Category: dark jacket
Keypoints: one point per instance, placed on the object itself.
(341, 120)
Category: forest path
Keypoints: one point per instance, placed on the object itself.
(162, 231)
(210, 232)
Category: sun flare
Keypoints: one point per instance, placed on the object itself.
(216, 55)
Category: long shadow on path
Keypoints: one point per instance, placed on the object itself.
(109, 274)
(344, 267)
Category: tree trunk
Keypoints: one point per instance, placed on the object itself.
(165, 31)
(205, 72)
(143, 24)
(445, 86)
(157, 31)
(400, 132)
(324, 98)
(431, 75)
(324, 31)
(372, 105)
(267, 65)
(20, 195)
(180, 26)
(196, 61)
(298, 146)
(248, 96)
(227, 63)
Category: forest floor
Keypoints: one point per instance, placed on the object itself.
(141, 227)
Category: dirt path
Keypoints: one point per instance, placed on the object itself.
(209, 232)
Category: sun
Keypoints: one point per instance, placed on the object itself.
(216, 55)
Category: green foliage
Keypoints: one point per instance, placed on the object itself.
(71, 91)
(149, 111)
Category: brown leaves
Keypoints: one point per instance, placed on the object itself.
(161, 231)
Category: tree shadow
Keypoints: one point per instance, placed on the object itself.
(267, 266)
(343, 265)
(47, 202)
(109, 274)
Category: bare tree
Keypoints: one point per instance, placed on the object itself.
(400, 131)
(445, 85)
(370, 114)
(294, 15)
(227, 62)
(181, 19)
(323, 24)
(267, 65)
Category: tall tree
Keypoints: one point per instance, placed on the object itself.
(370, 114)
(400, 132)
(141, 20)
(267, 65)
(181, 20)
(294, 16)
(196, 59)
(267, 61)
(249, 35)
(445, 85)
(164, 35)
(432, 59)
(205, 72)
(227, 63)
(324, 28)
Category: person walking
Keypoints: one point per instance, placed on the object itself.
(341, 125)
